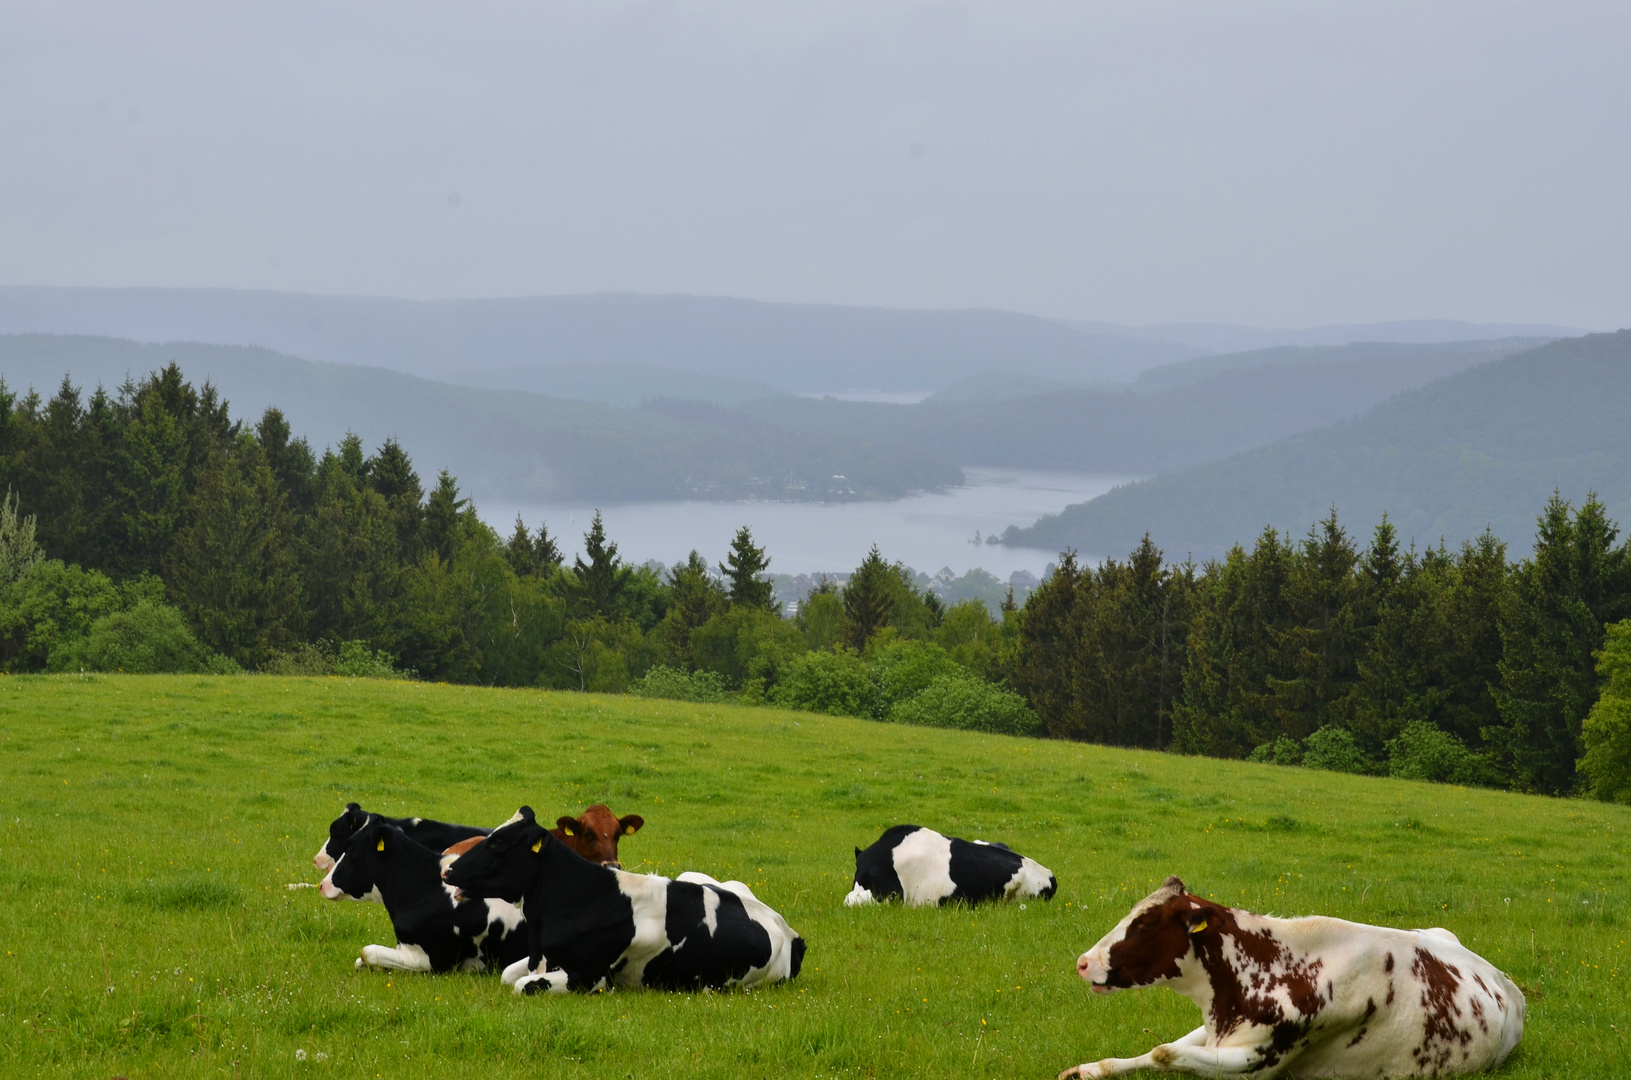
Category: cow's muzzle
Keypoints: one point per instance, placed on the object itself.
(1095, 972)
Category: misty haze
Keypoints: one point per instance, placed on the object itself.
(1183, 442)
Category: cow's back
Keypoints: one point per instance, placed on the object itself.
(1411, 1003)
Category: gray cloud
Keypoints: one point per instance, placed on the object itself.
(1272, 163)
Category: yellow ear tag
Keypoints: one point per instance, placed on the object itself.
(539, 846)
(1198, 927)
(628, 830)
(381, 845)
(566, 831)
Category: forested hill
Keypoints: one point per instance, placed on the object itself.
(500, 443)
(1481, 448)
(1187, 418)
(797, 347)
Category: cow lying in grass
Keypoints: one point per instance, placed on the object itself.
(603, 928)
(593, 834)
(433, 932)
(923, 867)
(436, 835)
(1305, 997)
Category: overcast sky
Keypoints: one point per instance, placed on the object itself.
(1268, 163)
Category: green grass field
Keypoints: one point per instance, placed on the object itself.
(152, 823)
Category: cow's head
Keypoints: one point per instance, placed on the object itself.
(361, 866)
(504, 865)
(595, 832)
(1150, 945)
(339, 831)
(451, 854)
(1037, 880)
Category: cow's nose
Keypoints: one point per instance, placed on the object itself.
(1082, 967)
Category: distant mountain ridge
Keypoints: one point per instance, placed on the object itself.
(795, 347)
(501, 444)
(1227, 338)
(1484, 447)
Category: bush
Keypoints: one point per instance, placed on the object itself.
(903, 669)
(834, 682)
(1424, 751)
(1282, 751)
(968, 703)
(148, 639)
(353, 659)
(677, 685)
(1334, 749)
(1606, 733)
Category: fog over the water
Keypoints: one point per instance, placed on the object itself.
(1265, 163)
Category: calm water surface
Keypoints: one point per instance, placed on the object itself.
(926, 532)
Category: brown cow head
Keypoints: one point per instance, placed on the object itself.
(595, 832)
(1148, 945)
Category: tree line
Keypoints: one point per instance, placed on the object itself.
(1451, 665)
(146, 530)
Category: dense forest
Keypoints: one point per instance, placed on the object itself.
(147, 530)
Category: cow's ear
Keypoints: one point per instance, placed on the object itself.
(568, 825)
(857, 853)
(1197, 919)
(629, 824)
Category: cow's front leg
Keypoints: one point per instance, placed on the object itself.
(544, 982)
(1171, 1056)
(401, 958)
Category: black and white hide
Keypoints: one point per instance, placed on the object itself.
(436, 835)
(923, 867)
(604, 928)
(433, 931)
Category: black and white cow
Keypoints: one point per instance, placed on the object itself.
(435, 835)
(433, 931)
(923, 867)
(603, 928)
(1305, 997)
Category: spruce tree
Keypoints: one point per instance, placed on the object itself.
(694, 598)
(600, 581)
(390, 473)
(868, 599)
(443, 511)
(744, 571)
(233, 570)
(1551, 627)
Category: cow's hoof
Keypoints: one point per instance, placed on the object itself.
(532, 986)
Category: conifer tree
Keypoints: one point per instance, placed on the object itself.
(868, 599)
(233, 569)
(744, 571)
(443, 511)
(601, 580)
(1552, 624)
(694, 598)
(391, 474)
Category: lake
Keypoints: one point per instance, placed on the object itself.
(926, 532)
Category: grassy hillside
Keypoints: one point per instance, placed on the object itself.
(1482, 448)
(503, 443)
(152, 823)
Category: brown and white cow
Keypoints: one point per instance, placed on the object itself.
(593, 834)
(1305, 997)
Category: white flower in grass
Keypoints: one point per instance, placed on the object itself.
(300, 1055)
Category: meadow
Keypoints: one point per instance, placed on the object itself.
(152, 824)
